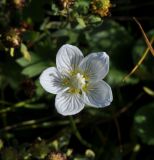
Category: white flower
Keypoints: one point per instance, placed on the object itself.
(77, 81)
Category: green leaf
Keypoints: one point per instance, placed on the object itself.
(82, 6)
(81, 22)
(148, 91)
(25, 52)
(35, 69)
(143, 123)
(35, 106)
(12, 52)
(47, 24)
(94, 19)
(23, 62)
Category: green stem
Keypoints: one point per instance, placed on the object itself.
(4, 102)
(77, 133)
(13, 106)
(33, 124)
(4, 116)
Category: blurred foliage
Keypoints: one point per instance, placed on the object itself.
(31, 32)
(144, 123)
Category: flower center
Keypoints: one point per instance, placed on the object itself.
(76, 83)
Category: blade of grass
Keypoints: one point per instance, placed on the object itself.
(148, 91)
(139, 62)
(145, 36)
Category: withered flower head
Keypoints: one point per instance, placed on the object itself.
(19, 4)
(101, 7)
(12, 38)
(67, 3)
(56, 156)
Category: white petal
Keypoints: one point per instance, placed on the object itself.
(50, 80)
(68, 58)
(99, 95)
(68, 104)
(95, 65)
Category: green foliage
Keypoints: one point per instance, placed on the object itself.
(144, 120)
(9, 154)
(30, 127)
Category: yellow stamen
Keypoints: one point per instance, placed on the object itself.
(74, 90)
(85, 88)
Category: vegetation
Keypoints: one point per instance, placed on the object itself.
(31, 32)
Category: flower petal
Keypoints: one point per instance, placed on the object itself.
(68, 58)
(50, 80)
(98, 95)
(68, 104)
(95, 66)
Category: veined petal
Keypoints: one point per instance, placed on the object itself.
(68, 58)
(69, 104)
(95, 66)
(98, 95)
(50, 80)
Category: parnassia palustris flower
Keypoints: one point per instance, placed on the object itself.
(77, 81)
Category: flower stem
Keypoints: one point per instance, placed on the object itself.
(77, 133)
